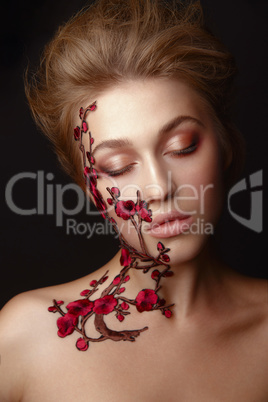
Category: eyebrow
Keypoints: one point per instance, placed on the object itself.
(122, 142)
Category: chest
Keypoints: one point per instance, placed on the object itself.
(177, 367)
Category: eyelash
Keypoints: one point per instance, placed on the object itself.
(120, 172)
(128, 169)
(185, 151)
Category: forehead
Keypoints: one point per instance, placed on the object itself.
(140, 108)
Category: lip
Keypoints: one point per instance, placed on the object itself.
(170, 224)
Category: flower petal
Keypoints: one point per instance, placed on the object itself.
(115, 191)
(125, 306)
(105, 304)
(52, 309)
(116, 280)
(93, 107)
(155, 274)
(125, 258)
(165, 258)
(81, 344)
(66, 325)
(84, 292)
(80, 307)
(160, 246)
(84, 126)
(168, 313)
(120, 317)
(77, 133)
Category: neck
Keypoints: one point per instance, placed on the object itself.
(193, 286)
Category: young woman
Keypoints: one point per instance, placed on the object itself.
(135, 96)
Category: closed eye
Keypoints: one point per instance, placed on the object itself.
(184, 151)
(128, 168)
(119, 172)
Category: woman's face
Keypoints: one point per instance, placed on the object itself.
(157, 136)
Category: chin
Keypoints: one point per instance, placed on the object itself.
(188, 248)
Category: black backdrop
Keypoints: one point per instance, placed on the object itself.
(37, 253)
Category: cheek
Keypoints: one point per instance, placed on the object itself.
(211, 181)
(201, 181)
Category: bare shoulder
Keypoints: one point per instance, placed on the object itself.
(28, 333)
(20, 326)
(246, 301)
(32, 307)
(260, 299)
(255, 290)
(252, 299)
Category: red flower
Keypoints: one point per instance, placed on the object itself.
(90, 158)
(81, 111)
(87, 173)
(165, 258)
(81, 344)
(84, 292)
(84, 126)
(127, 278)
(125, 306)
(77, 133)
(99, 201)
(80, 307)
(120, 317)
(143, 212)
(52, 309)
(145, 300)
(104, 279)
(110, 201)
(93, 283)
(125, 258)
(160, 246)
(116, 280)
(66, 325)
(91, 177)
(155, 274)
(94, 174)
(125, 209)
(105, 305)
(93, 107)
(115, 191)
(168, 313)
(122, 290)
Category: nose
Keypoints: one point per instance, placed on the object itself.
(158, 184)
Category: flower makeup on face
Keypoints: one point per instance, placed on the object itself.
(168, 151)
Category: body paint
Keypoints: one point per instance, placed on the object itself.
(113, 299)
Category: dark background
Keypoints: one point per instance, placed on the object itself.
(34, 251)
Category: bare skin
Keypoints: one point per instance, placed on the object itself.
(214, 348)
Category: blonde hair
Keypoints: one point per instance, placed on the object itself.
(113, 40)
